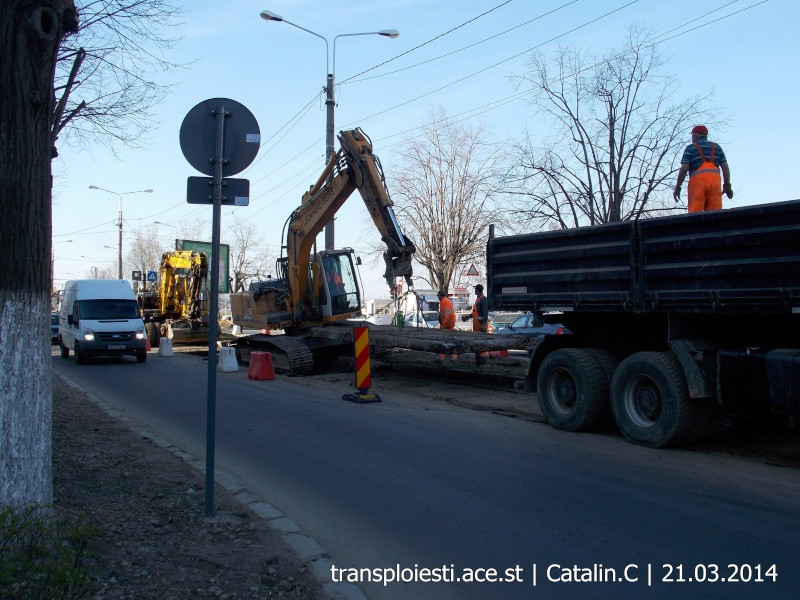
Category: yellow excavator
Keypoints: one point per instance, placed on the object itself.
(178, 309)
(316, 289)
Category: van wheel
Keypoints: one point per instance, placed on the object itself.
(650, 400)
(572, 390)
(79, 357)
(64, 351)
(141, 357)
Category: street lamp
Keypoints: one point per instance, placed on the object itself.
(168, 225)
(329, 101)
(94, 187)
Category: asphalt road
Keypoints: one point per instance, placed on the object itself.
(429, 485)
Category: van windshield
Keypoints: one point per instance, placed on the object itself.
(96, 310)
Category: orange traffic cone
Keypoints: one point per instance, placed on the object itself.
(261, 366)
(147, 344)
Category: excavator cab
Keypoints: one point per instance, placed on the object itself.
(338, 294)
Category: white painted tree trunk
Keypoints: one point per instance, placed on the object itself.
(30, 33)
(26, 394)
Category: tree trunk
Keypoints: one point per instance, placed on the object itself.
(30, 32)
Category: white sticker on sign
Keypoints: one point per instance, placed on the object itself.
(253, 138)
(514, 290)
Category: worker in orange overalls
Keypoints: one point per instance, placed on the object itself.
(702, 160)
(447, 318)
(480, 320)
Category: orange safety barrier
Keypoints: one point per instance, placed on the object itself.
(261, 366)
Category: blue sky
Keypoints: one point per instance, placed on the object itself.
(278, 71)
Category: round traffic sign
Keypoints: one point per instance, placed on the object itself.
(198, 136)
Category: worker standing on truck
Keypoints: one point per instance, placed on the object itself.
(447, 318)
(702, 160)
(480, 320)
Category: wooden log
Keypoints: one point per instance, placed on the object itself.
(440, 341)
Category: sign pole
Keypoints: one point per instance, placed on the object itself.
(211, 403)
(199, 138)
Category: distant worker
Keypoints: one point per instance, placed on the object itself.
(447, 316)
(447, 319)
(480, 320)
(702, 160)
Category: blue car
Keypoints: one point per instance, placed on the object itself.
(54, 328)
(527, 325)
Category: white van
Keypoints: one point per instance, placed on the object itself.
(100, 317)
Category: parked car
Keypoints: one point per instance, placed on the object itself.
(502, 320)
(426, 318)
(527, 324)
(54, 328)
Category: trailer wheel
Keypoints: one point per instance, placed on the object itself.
(151, 329)
(572, 390)
(650, 400)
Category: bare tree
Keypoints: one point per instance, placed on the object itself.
(30, 34)
(106, 75)
(145, 250)
(102, 273)
(249, 256)
(445, 190)
(615, 139)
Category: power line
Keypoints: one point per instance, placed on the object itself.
(497, 64)
(429, 41)
(353, 80)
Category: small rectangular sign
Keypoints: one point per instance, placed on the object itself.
(235, 192)
(514, 290)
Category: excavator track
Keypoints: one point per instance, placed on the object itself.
(289, 354)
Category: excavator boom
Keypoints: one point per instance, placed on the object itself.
(312, 289)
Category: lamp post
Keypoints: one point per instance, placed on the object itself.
(329, 83)
(120, 195)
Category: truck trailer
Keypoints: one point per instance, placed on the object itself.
(673, 319)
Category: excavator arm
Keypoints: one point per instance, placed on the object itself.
(183, 273)
(353, 167)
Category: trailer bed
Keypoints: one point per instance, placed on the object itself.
(742, 260)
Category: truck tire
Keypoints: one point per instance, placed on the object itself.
(609, 363)
(64, 351)
(141, 357)
(79, 357)
(572, 390)
(650, 400)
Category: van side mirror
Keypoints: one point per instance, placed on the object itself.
(70, 320)
(358, 260)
